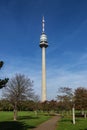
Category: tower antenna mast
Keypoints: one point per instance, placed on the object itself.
(43, 25)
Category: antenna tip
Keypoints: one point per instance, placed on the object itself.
(43, 19)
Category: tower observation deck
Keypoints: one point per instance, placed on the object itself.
(43, 37)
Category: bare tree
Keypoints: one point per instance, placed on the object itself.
(65, 96)
(18, 89)
(66, 99)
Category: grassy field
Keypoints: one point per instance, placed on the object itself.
(26, 120)
(66, 124)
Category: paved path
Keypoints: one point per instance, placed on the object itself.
(48, 125)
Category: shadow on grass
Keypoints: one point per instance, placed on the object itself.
(83, 129)
(14, 125)
(71, 121)
(27, 117)
(66, 120)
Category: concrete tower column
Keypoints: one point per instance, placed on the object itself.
(43, 75)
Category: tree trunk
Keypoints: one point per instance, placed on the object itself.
(85, 115)
(82, 112)
(73, 112)
(15, 112)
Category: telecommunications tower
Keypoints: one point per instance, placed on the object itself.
(43, 45)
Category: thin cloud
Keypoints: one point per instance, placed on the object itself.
(66, 76)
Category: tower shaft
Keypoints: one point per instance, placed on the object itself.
(43, 75)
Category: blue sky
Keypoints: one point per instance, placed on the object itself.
(66, 29)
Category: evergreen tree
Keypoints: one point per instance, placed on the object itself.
(3, 81)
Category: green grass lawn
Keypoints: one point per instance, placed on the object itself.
(66, 124)
(26, 120)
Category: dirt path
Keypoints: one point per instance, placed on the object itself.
(48, 125)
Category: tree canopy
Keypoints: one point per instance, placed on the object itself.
(81, 98)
